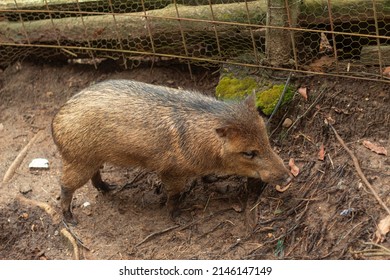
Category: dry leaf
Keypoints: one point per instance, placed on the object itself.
(386, 71)
(287, 122)
(303, 92)
(325, 45)
(322, 64)
(382, 229)
(237, 208)
(293, 168)
(375, 148)
(321, 153)
(329, 120)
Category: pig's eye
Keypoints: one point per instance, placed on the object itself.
(249, 154)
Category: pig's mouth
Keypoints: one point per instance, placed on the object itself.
(281, 181)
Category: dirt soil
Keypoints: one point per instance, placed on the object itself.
(223, 217)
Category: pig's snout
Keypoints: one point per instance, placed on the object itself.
(286, 180)
(282, 179)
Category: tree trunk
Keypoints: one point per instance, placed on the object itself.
(370, 55)
(278, 46)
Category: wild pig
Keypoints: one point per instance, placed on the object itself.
(180, 134)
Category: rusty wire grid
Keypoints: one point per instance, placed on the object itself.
(333, 37)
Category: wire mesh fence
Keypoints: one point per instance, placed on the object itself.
(333, 37)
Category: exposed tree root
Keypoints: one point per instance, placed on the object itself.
(72, 240)
(46, 207)
(19, 158)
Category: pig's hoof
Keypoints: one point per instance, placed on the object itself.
(208, 179)
(174, 214)
(69, 219)
(104, 187)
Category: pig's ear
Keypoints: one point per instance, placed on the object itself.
(250, 101)
(225, 131)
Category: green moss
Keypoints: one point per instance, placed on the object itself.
(230, 87)
(233, 88)
(268, 99)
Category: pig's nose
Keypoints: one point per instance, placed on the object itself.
(287, 179)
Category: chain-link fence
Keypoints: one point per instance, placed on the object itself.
(333, 37)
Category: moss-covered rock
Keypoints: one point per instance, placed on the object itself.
(268, 99)
(234, 88)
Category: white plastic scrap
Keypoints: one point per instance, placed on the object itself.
(346, 212)
(86, 204)
(40, 163)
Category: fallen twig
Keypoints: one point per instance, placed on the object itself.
(19, 158)
(155, 234)
(387, 250)
(280, 99)
(221, 224)
(72, 241)
(307, 111)
(204, 218)
(48, 209)
(207, 203)
(358, 169)
(141, 174)
(380, 250)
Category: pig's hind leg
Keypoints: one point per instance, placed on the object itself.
(74, 176)
(173, 187)
(98, 183)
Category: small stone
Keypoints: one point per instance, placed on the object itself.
(1, 127)
(287, 123)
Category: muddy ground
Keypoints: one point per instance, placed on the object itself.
(227, 218)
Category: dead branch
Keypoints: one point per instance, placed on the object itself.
(220, 225)
(155, 234)
(66, 234)
(19, 158)
(358, 169)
